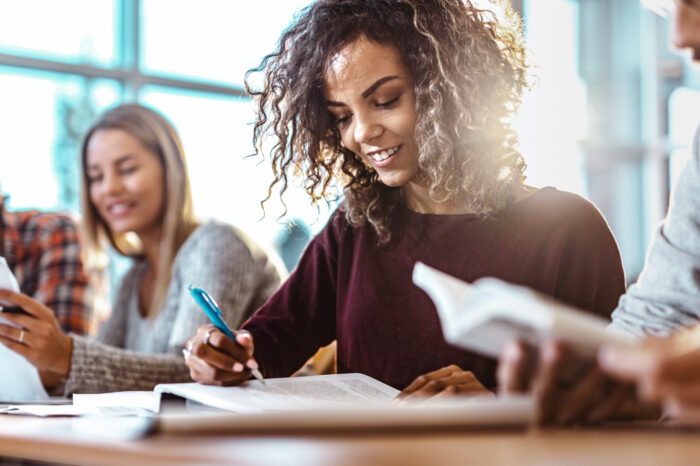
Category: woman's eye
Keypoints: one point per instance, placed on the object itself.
(343, 120)
(127, 170)
(94, 179)
(389, 103)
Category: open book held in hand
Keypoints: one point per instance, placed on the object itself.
(485, 315)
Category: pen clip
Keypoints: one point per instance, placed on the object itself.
(212, 302)
(206, 297)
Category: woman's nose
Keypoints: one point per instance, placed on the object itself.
(111, 183)
(366, 130)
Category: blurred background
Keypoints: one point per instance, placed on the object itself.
(610, 118)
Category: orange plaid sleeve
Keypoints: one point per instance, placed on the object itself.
(49, 267)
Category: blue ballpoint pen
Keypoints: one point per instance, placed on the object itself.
(211, 309)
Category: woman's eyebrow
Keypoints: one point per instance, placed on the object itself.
(379, 82)
(119, 161)
(367, 92)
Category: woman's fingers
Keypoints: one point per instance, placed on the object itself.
(215, 359)
(516, 367)
(620, 402)
(208, 375)
(14, 345)
(28, 304)
(14, 334)
(240, 350)
(659, 373)
(424, 379)
(626, 364)
(583, 397)
(448, 380)
(205, 373)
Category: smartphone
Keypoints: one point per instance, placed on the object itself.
(13, 310)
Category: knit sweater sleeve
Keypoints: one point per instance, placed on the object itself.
(667, 295)
(217, 258)
(96, 367)
(235, 271)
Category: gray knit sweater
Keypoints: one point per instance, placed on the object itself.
(135, 353)
(667, 295)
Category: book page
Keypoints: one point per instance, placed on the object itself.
(288, 393)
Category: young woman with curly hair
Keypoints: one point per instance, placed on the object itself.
(408, 105)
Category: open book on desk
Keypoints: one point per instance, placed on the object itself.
(332, 403)
(324, 402)
(485, 315)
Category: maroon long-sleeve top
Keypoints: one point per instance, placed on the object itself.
(350, 288)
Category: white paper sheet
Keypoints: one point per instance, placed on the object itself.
(134, 401)
(19, 380)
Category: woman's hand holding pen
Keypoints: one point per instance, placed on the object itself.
(38, 337)
(215, 359)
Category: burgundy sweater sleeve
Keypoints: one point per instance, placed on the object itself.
(591, 276)
(300, 317)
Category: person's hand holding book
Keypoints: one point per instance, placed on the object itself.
(665, 371)
(568, 388)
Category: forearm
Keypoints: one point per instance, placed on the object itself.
(96, 367)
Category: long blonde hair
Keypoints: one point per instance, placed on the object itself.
(157, 135)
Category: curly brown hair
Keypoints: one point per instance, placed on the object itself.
(469, 71)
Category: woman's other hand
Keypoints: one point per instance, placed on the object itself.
(450, 380)
(39, 338)
(215, 359)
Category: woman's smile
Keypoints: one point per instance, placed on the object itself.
(383, 157)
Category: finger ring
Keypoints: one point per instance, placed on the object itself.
(21, 336)
(207, 335)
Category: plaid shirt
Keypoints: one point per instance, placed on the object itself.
(43, 251)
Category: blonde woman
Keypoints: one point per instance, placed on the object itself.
(136, 197)
(407, 104)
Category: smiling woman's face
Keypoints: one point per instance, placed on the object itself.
(125, 182)
(370, 93)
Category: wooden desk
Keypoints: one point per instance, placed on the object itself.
(59, 440)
